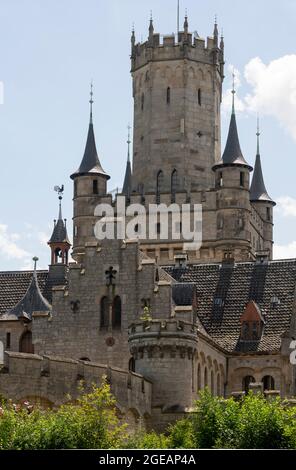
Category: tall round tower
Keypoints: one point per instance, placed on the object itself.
(232, 181)
(90, 184)
(164, 352)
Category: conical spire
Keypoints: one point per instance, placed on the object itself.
(59, 234)
(127, 185)
(186, 23)
(258, 190)
(33, 300)
(90, 162)
(232, 154)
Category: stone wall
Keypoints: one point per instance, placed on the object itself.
(51, 380)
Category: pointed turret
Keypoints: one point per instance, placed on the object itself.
(258, 190)
(127, 184)
(32, 301)
(90, 163)
(59, 240)
(151, 30)
(232, 154)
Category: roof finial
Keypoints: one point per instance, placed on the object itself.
(128, 142)
(258, 135)
(151, 28)
(35, 259)
(186, 22)
(91, 101)
(216, 34)
(233, 91)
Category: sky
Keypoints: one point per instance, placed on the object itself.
(50, 50)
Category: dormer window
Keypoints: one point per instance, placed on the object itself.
(252, 323)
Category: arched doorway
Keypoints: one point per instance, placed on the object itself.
(26, 344)
(246, 382)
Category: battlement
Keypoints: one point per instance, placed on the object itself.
(175, 47)
(158, 337)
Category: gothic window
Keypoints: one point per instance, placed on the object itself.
(26, 344)
(168, 95)
(219, 180)
(268, 213)
(142, 101)
(158, 228)
(199, 96)
(268, 382)
(95, 187)
(104, 312)
(116, 312)
(174, 184)
(132, 364)
(241, 179)
(246, 382)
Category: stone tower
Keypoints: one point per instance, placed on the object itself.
(232, 182)
(164, 351)
(177, 94)
(263, 204)
(90, 184)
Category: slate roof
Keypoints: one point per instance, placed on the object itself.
(232, 154)
(14, 285)
(224, 290)
(90, 162)
(258, 190)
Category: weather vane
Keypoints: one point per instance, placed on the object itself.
(60, 191)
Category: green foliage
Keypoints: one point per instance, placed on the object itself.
(252, 422)
(144, 440)
(89, 423)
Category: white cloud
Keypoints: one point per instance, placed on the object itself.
(286, 206)
(8, 247)
(284, 251)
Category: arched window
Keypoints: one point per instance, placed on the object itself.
(205, 377)
(116, 312)
(246, 382)
(198, 377)
(168, 95)
(132, 364)
(26, 344)
(142, 101)
(242, 179)
(58, 255)
(174, 184)
(199, 96)
(159, 185)
(268, 382)
(104, 311)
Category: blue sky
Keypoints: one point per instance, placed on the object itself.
(49, 52)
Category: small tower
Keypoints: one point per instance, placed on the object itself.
(127, 184)
(90, 184)
(262, 202)
(232, 174)
(59, 242)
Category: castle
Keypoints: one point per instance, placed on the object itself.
(160, 323)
